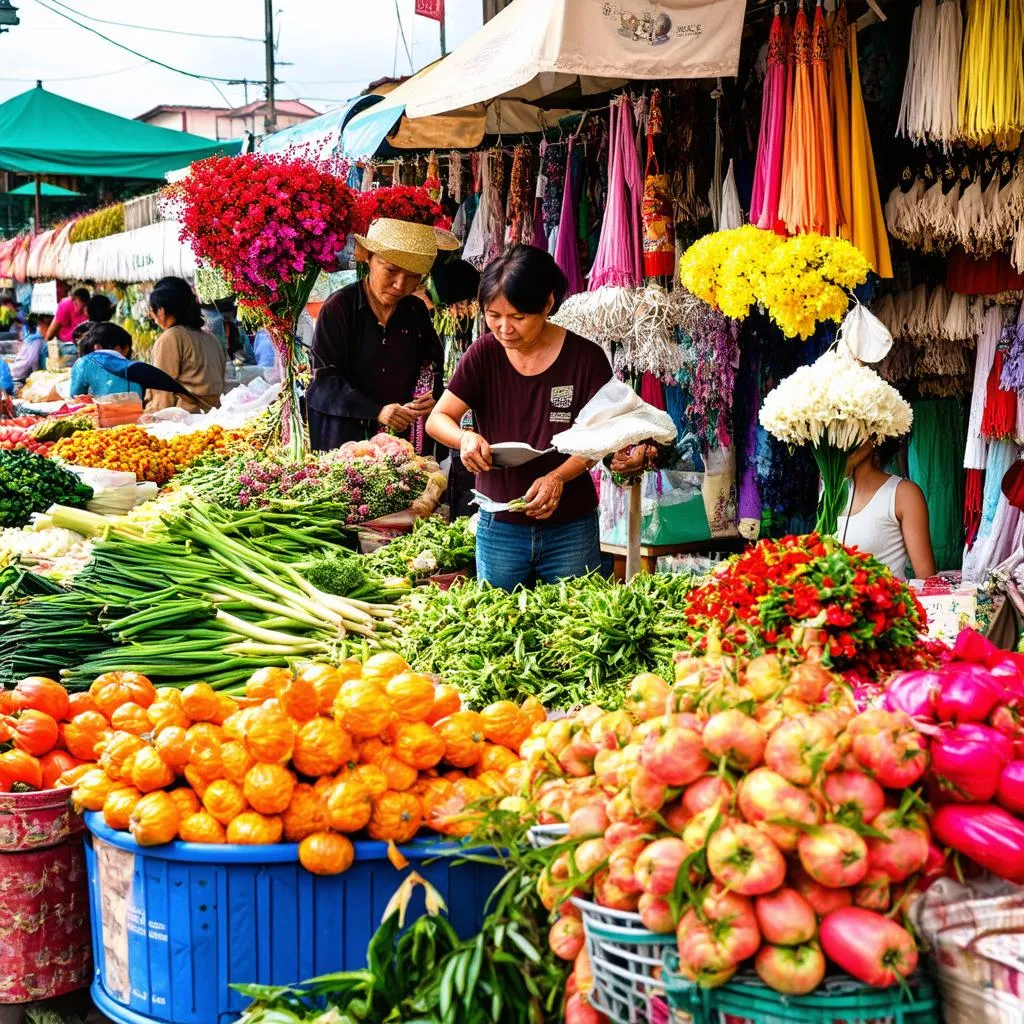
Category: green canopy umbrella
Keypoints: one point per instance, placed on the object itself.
(46, 190)
(43, 133)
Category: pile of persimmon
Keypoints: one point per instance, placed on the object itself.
(311, 758)
(34, 719)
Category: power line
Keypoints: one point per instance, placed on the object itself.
(154, 28)
(78, 78)
(136, 53)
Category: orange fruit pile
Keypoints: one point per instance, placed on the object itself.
(308, 758)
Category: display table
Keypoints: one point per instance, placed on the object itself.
(650, 553)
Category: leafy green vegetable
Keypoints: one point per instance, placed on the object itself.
(575, 642)
(337, 575)
(433, 547)
(31, 483)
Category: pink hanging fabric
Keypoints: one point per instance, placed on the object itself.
(567, 250)
(618, 260)
(764, 203)
(652, 391)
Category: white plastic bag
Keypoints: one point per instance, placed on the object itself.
(864, 336)
(615, 418)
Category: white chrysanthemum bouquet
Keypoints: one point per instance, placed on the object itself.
(834, 405)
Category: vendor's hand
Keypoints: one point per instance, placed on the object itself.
(543, 496)
(421, 406)
(627, 461)
(395, 416)
(475, 452)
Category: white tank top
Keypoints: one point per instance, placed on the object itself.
(876, 530)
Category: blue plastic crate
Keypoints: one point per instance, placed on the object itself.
(174, 926)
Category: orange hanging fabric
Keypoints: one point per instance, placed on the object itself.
(801, 163)
(840, 97)
(868, 225)
(826, 217)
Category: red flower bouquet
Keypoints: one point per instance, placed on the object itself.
(270, 224)
(868, 620)
(399, 202)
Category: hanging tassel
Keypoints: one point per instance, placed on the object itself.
(938, 307)
(912, 123)
(974, 490)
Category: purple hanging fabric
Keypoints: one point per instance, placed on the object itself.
(567, 250)
(618, 260)
(749, 496)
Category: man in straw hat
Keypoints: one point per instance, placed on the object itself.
(376, 356)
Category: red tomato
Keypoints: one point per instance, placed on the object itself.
(34, 732)
(20, 769)
(6, 702)
(41, 694)
(54, 764)
(867, 945)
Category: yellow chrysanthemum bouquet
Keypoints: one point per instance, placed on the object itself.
(799, 282)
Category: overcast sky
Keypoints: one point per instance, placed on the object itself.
(336, 47)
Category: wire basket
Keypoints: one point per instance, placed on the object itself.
(541, 836)
(626, 960)
(840, 999)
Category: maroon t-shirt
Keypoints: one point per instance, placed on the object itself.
(509, 406)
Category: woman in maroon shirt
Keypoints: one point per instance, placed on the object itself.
(526, 381)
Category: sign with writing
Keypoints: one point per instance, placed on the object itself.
(44, 298)
(430, 9)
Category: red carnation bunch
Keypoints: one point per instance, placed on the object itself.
(398, 202)
(264, 221)
(868, 619)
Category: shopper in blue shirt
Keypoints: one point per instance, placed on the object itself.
(89, 376)
(6, 380)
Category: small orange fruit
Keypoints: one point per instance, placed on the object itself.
(305, 814)
(224, 800)
(201, 702)
(253, 829)
(270, 734)
(379, 668)
(321, 747)
(83, 734)
(446, 702)
(236, 760)
(173, 747)
(226, 707)
(372, 777)
(118, 807)
(234, 725)
(326, 853)
(326, 681)
(400, 774)
(395, 816)
(494, 759)
(195, 780)
(411, 695)
(164, 713)
(264, 682)
(92, 790)
(131, 718)
(362, 708)
(298, 699)
(186, 801)
(534, 711)
(201, 827)
(155, 819)
(268, 787)
(463, 736)
(349, 805)
(150, 771)
(418, 744)
(118, 747)
(171, 694)
(505, 724)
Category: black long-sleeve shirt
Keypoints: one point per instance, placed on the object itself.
(360, 365)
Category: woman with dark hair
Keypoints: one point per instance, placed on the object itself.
(525, 381)
(186, 352)
(89, 375)
(886, 516)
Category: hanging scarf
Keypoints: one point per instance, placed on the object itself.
(839, 94)
(764, 202)
(567, 250)
(555, 155)
(1000, 417)
(976, 449)
(656, 208)
(617, 261)
(827, 216)
(455, 176)
(800, 173)
(520, 217)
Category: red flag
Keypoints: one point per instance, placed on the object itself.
(430, 9)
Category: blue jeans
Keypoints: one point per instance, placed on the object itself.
(510, 554)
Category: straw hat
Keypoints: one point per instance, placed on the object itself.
(413, 247)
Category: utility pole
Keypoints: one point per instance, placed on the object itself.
(444, 48)
(270, 121)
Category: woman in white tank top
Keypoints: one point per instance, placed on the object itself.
(886, 516)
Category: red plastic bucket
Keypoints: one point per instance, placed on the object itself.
(31, 821)
(45, 941)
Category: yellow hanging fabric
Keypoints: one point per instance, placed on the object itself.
(868, 234)
(840, 97)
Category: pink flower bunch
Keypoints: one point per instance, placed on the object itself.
(263, 221)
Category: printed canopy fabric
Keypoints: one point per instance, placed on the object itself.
(43, 133)
(537, 48)
(319, 138)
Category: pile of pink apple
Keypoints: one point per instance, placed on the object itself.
(749, 810)
(972, 711)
